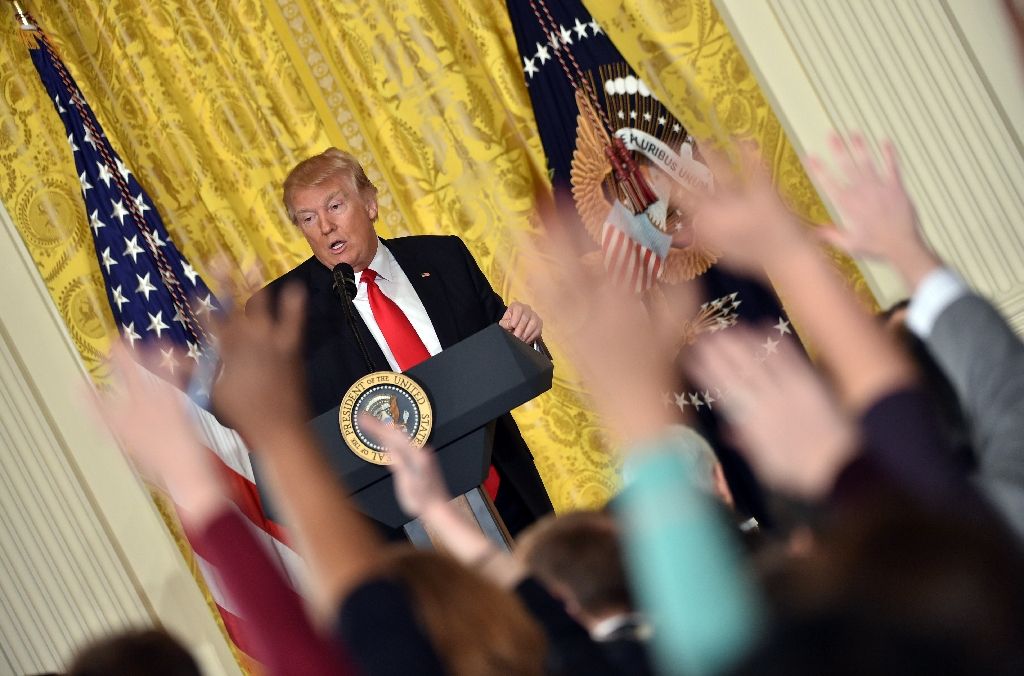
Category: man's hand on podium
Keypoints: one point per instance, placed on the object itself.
(522, 322)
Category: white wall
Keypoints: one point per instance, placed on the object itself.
(942, 79)
(83, 550)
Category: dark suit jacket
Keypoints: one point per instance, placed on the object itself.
(460, 302)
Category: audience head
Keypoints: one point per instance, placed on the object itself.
(943, 581)
(578, 557)
(144, 652)
(475, 627)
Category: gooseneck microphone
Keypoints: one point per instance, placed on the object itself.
(345, 287)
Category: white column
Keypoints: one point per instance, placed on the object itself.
(83, 551)
(941, 78)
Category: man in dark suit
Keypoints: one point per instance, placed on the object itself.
(415, 296)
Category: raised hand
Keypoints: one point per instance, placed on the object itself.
(261, 388)
(877, 215)
(148, 416)
(789, 425)
(419, 485)
(745, 220)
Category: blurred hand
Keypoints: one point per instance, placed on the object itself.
(149, 418)
(419, 484)
(625, 358)
(791, 429)
(745, 220)
(522, 322)
(878, 217)
(261, 385)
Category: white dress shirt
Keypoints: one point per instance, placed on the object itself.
(392, 280)
(936, 292)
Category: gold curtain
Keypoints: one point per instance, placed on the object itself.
(211, 102)
(685, 53)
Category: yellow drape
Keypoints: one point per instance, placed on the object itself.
(210, 103)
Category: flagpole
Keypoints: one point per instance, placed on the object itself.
(26, 24)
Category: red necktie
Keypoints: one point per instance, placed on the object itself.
(405, 344)
(401, 337)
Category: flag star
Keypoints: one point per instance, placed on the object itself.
(168, 361)
(119, 298)
(206, 305)
(108, 260)
(661, 120)
(95, 223)
(632, 114)
(119, 211)
(60, 108)
(122, 168)
(133, 249)
(84, 180)
(529, 68)
(178, 318)
(153, 238)
(140, 202)
(105, 174)
(580, 28)
(782, 327)
(695, 400)
(708, 399)
(542, 53)
(647, 117)
(595, 28)
(554, 41)
(129, 333)
(156, 323)
(770, 345)
(145, 286)
(89, 138)
(566, 35)
(71, 142)
(193, 351)
(681, 401)
(677, 127)
(189, 272)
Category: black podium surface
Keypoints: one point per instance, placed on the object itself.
(469, 385)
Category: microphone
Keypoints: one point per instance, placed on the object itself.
(344, 278)
(345, 287)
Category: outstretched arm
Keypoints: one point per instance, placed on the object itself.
(260, 394)
(148, 415)
(421, 493)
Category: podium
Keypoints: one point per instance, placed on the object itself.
(469, 385)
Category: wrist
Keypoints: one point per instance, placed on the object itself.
(914, 264)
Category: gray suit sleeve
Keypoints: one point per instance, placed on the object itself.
(984, 360)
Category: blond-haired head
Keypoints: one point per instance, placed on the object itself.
(315, 170)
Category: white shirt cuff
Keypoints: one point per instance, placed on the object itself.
(934, 294)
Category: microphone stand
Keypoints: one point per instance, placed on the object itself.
(345, 287)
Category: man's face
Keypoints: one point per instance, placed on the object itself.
(337, 222)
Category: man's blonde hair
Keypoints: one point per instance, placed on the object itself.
(315, 170)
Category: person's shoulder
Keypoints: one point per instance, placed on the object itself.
(434, 246)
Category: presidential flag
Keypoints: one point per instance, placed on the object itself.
(632, 171)
(154, 293)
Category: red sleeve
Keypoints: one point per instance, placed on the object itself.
(276, 629)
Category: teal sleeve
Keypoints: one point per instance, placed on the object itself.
(685, 564)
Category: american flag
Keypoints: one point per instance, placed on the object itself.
(155, 295)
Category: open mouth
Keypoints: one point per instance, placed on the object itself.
(337, 246)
